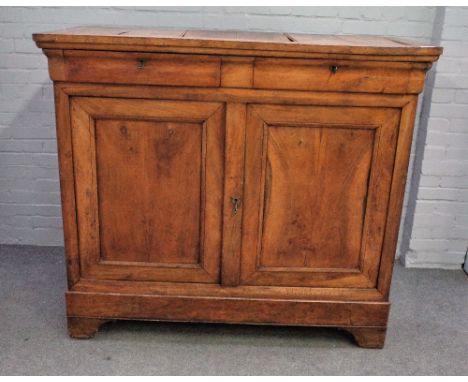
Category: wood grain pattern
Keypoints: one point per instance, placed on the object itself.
(237, 72)
(161, 163)
(233, 188)
(160, 130)
(400, 170)
(290, 223)
(312, 175)
(67, 182)
(235, 310)
(337, 75)
(139, 68)
(127, 39)
(154, 172)
(217, 290)
(274, 97)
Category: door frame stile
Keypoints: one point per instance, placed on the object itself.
(234, 159)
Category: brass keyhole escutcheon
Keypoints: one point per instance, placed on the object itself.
(236, 202)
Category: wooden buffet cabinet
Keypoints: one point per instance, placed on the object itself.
(232, 177)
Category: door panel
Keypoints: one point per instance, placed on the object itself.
(149, 188)
(316, 193)
(149, 177)
(298, 160)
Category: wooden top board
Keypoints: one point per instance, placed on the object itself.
(232, 42)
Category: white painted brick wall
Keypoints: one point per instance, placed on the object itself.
(29, 191)
(439, 235)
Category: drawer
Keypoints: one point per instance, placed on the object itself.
(134, 68)
(340, 76)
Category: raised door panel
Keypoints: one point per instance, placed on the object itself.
(316, 194)
(148, 183)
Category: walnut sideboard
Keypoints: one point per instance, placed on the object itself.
(232, 177)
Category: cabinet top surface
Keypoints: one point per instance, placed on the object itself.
(137, 38)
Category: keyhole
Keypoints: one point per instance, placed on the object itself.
(334, 68)
(140, 63)
(236, 201)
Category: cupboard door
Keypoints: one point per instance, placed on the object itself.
(317, 183)
(148, 184)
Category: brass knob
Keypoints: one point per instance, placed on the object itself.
(334, 68)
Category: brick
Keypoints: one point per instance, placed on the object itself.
(446, 139)
(434, 153)
(315, 11)
(429, 181)
(407, 28)
(11, 14)
(429, 244)
(458, 245)
(455, 49)
(7, 183)
(38, 159)
(443, 95)
(458, 125)
(451, 168)
(451, 81)
(438, 124)
(26, 46)
(48, 92)
(440, 232)
(47, 185)
(32, 172)
(6, 45)
(365, 27)
(457, 154)
(445, 260)
(454, 181)
(450, 65)
(431, 220)
(441, 207)
(46, 222)
(438, 193)
(419, 13)
(13, 209)
(456, 15)
(234, 21)
(461, 96)
(455, 32)
(22, 197)
(425, 207)
(461, 221)
(21, 145)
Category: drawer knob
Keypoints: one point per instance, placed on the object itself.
(141, 63)
(334, 68)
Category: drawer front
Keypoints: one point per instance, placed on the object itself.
(135, 68)
(340, 76)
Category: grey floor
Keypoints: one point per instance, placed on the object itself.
(428, 333)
